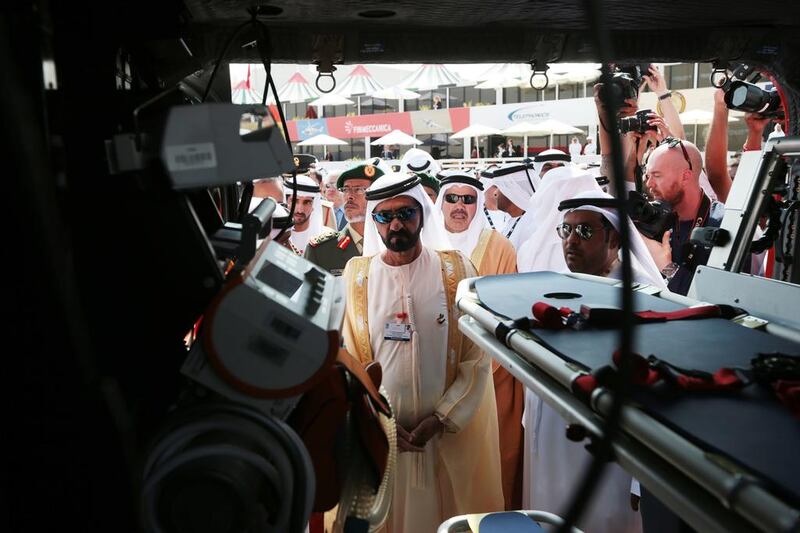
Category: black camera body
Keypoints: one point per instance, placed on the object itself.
(652, 218)
(625, 83)
(743, 95)
(636, 123)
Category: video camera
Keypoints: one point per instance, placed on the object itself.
(652, 218)
(636, 123)
(743, 95)
(625, 82)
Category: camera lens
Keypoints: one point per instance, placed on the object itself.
(739, 96)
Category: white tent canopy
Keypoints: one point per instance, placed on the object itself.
(395, 93)
(506, 71)
(500, 83)
(359, 82)
(396, 137)
(429, 77)
(296, 90)
(331, 99)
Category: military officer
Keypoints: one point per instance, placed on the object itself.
(331, 250)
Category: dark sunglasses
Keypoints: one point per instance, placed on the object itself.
(584, 231)
(468, 199)
(672, 142)
(403, 215)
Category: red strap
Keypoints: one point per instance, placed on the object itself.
(585, 384)
(788, 392)
(706, 311)
(641, 373)
(548, 316)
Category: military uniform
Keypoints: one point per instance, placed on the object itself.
(332, 250)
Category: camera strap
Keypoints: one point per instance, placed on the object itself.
(700, 220)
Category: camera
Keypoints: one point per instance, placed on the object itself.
(751, 98)
(652, 218)
(743, 95)
(636, 123)
(625, 83)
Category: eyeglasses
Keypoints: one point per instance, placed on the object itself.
(584, 231)
(355, 191)
(672, 142)
(403, 214)
(468, 199)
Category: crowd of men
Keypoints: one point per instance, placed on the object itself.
(470, 438)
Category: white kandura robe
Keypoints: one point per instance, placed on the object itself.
(300, 239)
(554, 467)
(415, 381)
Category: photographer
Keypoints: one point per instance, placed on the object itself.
(719, 173)
(670, 125)
(673, 175)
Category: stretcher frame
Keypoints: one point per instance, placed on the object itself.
(707, 491)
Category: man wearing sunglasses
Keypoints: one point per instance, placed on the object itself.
(401, 312)
(673, 175)
(461, 200)
(588, 228)
(332, 250)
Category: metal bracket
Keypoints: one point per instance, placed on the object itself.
(327, 49)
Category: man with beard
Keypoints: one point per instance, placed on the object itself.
(401, 312)
(331, 250)
(307, 215)
(461, 201)
(673, 175)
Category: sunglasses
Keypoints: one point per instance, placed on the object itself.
(584, 231)
(468, 199)
(403, 215)
(672, 142)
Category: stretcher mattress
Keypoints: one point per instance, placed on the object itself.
(750, 426)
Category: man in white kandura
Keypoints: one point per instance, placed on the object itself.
(401, 312)
(588, 232)
(308, 216)
(461, 201)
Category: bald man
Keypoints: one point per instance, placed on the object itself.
(673, 175)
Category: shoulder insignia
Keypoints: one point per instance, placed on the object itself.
(323, 237)
(344, 242)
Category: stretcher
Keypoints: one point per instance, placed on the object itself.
(721, 459)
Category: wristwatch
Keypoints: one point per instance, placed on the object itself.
(670, 270)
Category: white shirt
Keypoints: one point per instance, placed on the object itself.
(590, 149)
(575, 149)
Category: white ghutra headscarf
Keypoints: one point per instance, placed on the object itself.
(306, 188)
(644, 268)
(467, 240)
(396, 184)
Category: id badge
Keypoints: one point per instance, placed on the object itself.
(392, 331)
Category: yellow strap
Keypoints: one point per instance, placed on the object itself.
(358, 308)
(452, 272)
(480, 248)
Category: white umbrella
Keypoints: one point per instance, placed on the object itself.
(553, 127)
(331, 99)
(428, 77)
(699, 116)
(521, 129)
(396, 137)
(475, 130)
(296, 90)
(322, 140)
